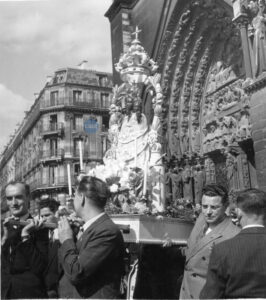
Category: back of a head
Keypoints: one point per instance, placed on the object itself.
(213, 190)
(50, 203)
(95, 190)
(252, 201)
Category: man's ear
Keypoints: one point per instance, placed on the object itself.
(83, 200)
(239, 213)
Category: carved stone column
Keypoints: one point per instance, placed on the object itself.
(257, 89)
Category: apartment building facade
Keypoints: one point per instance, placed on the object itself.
(64, 131)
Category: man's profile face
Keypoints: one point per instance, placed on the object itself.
(213, 209)
(47, 215)
(17, 201)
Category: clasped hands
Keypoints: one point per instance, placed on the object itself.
(32, 225)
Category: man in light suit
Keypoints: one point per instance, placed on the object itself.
(93, 266)
(237, 266)
(211, 227)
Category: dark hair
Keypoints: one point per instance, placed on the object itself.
(252, 201)
(94, 189)
(26, 186)
(50, 203)
(213, 190)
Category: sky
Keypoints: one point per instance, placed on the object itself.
(38, 37)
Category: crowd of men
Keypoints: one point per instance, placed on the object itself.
(55, 257)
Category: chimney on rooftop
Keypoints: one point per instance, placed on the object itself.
(48, 79)
(83, 65)
(36, 95)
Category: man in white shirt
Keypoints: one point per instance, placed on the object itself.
(93, 266)
(237, 267)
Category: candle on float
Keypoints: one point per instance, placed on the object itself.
(80, 155)
(69, 180)
(145, 177)
(136, 152)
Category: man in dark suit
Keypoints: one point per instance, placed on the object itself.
(48, 209)
(93, 266)
(237, 267)
(24, 253)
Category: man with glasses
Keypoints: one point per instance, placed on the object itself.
(211, 227)
(24, 250)
(237, 267)
(93, 266)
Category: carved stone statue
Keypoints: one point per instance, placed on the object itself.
(259, 38)
(195, 140)
(187, 182)
(210, 171)
(199, 182)
(232, 172)
(184, 141)
(177, 184)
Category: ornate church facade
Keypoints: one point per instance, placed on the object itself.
(212, 58)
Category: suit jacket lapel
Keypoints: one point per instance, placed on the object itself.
(89, 229)
(209, 238)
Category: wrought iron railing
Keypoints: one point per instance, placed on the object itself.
(53, 127)
(52, 153)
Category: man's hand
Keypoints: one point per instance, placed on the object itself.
(34, 224)
(5, 234)
(64, 230)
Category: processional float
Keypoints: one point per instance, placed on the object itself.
(133, 166)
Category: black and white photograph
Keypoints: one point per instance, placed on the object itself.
(133, 149)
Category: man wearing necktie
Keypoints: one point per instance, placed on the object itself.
(211, 227)
(92, 266)
(237, 267)
(24, 251)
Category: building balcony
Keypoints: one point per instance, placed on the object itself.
(53, 129)
(51, 183)
(70, 101)
(55, 154)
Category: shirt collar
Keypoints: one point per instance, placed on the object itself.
(252, 225)
(23, 218)
(92, 220)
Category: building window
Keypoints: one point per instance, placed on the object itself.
(104, 100)
(77, 96)
(78, 122)
(102, 80)
(53, 123)
(105, 123)
(54, 98)
(76, 147)
(53, 147)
